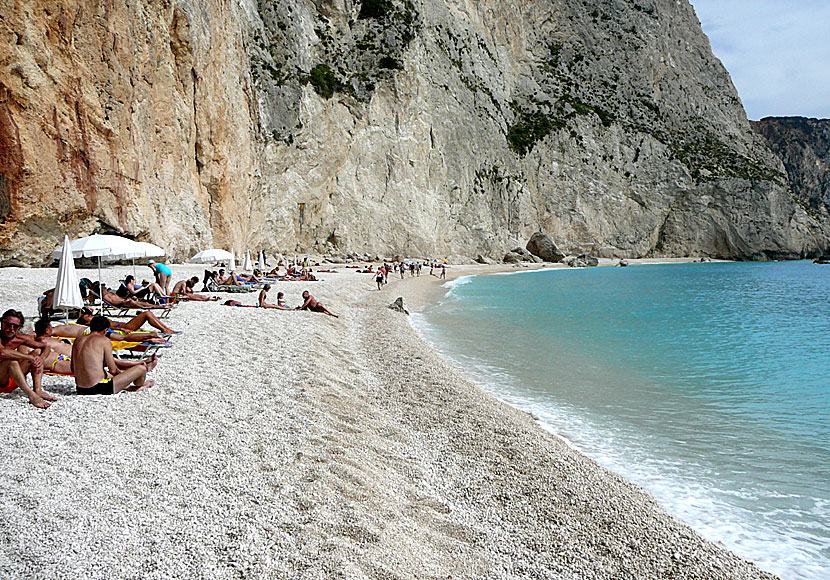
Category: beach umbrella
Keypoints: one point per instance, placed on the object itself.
(261, 262)
(149, 250)
(143, 250)
(247, 267)
(211, 256)
(232, 262)
(67, 293)
(99, 246)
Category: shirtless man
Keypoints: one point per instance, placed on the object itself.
(15, 365)
(263, 294)
(312, 304)
(91, 353)
(60, 359)
(186, 288)
(227, 280)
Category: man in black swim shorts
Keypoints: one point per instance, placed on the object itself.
(91, 353)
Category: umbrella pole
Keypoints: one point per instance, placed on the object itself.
(100, 293)
(133, 267)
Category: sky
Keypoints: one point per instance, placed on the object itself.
(777, 52)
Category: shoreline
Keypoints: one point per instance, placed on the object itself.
(298, 445)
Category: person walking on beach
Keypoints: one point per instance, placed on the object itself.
(443, 272)
(15, 365)
(379, 278)
(312, 304)
(92, 354)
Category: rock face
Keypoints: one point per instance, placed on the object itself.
(541, 245)
(804, 147)
(383, 127)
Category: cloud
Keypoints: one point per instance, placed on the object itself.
(777, 52)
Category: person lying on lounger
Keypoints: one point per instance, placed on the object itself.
(114, 299)
(60, 359)
(134, 324)
(129, 289)
(120, 302)
(312, 304)
(128, 331)
(15, 364)
(263, 294)
(228, 279)
(246, 278)
(95, 369)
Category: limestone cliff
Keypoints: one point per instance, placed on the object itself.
(804, 147)
(384, 127)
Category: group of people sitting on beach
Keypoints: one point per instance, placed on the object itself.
(213, 279)
(309, 302)
(83, 349)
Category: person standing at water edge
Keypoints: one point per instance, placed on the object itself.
(15, 365)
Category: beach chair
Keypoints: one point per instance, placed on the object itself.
(113, 311)
(214, 287)
(131, 350)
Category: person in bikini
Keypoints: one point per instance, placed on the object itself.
(15, 365)
(263, 294)
(312, 304)
(130, 329)
(60, 359)
(94, 366)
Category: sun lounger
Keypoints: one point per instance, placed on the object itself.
(214, 287)
(113, 311)
(138, 349)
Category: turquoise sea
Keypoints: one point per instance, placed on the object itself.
(706, 384)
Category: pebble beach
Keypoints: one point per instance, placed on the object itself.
(280, 444)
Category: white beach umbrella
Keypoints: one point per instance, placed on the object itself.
(247, 267)
(149, 250)
(67, 293)
(142, 250)
(232, 262)
(261, 262)
(211, 256)
(98, 245)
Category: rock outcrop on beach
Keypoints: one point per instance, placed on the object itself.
(384, 127)
(541, 245)
(804, 147)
